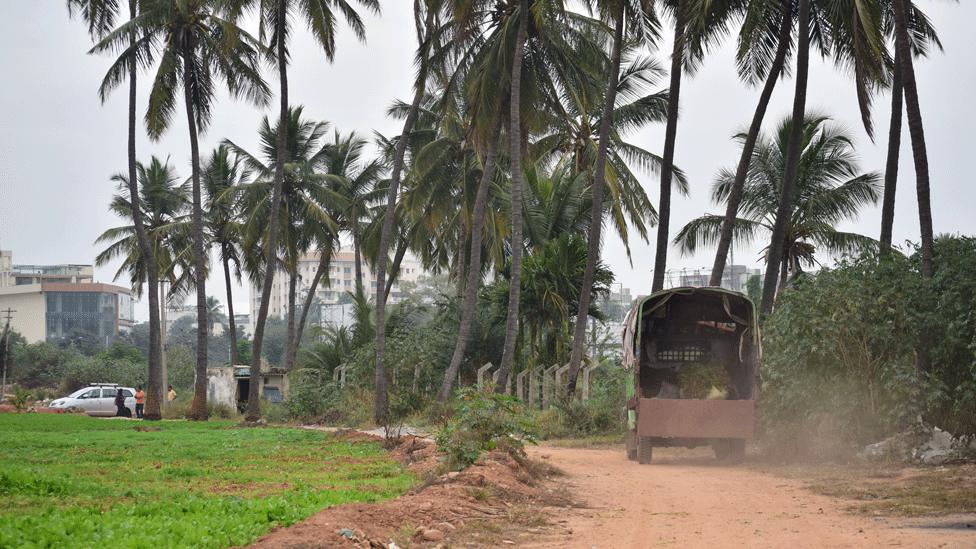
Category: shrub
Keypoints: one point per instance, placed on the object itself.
(81, 370)
(840, 368)
(483, 422)
(22, 399)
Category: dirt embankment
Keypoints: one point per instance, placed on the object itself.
(485, 505)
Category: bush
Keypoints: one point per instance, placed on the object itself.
(840, 365)
(22, 399)
(603, 413)
(38, 364)
(81, 370)
(483, 422)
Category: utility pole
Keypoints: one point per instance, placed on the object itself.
(8, 313)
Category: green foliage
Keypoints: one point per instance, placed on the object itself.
(602, 413)
(189, 484)
(21, 399)
(840, 351)
(37, 365)
(483, 422)
(81, 370)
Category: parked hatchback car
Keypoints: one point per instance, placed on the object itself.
(97, 399)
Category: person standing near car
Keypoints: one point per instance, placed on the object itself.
(140, 401)
(120, 404)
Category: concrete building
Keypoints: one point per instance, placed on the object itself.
(342, 279)
(58, 311)
(57, 302)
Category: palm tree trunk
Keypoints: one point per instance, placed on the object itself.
(474, 267)
(596, 209)
(793, 151)
(154, 398)
(401, 251)
(232, 325)
(667, 167)
(515, 138)
(357, 251)
(891, 166)
(306, 306)
(462, 259)
(915, 128)
(198, 408)
(291, 343)
(381, 400)
(742, 170)
(253, 394)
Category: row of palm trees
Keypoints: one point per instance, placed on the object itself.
(504, 91)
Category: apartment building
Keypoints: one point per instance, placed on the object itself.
(331, 292)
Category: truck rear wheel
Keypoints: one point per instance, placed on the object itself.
(644, 451)
(722, 449)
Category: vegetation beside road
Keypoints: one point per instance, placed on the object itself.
(75, 481)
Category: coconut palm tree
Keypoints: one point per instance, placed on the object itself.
(195, 46)
(426, 20)
(222, 176)
(305, 218)
(755, 62)
(320, 18)
(636, 16)
(215, 313)
(164, 202)
(922, 37)
(906, 67)
(100, 15)
(355, 178)
(829, 189)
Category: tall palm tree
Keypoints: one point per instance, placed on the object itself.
(304, 218)
(515, 172)
(774, 253)
(354, 178)
(618, 12)
(754, 61)
(696, 24)
(426, 20)
(829, 189)
(165, 203)
(100, 15)
(906, 67)
(320, 18)
(215, 313)
(921, 36)
(195, 45)
(222, 176)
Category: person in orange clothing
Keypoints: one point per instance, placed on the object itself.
(140, 401)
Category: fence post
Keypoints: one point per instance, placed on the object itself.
(481, 372)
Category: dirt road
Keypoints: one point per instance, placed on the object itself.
(686, 499)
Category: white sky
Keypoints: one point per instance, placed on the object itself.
(59, 145)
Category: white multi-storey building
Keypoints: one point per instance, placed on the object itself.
(341, 280)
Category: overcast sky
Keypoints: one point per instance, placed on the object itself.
(59, 145)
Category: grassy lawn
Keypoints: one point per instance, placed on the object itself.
(75, 481)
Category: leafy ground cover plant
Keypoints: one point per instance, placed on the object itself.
(73, 481)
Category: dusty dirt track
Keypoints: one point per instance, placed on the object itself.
(686, 499)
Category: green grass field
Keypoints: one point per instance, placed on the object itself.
(75, 481)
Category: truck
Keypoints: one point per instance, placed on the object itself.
(695, 354)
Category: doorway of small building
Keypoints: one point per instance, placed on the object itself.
(243, 389)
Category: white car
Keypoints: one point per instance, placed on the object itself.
(97, 399)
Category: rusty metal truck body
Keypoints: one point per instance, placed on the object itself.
(681, 344)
